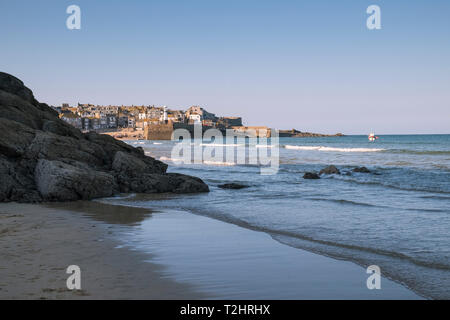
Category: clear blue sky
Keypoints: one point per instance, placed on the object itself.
(310, 65)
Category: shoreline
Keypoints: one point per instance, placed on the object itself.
(125, 134)
(39, 241)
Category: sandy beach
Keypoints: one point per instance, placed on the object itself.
(38, 243)
(126, 134)
(133, 253)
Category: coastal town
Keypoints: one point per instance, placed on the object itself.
(158, 123)
(147, 122)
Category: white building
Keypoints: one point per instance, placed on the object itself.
(196, 118)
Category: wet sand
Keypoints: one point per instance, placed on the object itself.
(134, 253)
(38, 243)
(227, 261)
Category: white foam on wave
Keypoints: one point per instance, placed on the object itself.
(234, 145)
(219, 163)
(206, 162)
(332, 149)
(170, 159)
(265, 146)
(220, 145)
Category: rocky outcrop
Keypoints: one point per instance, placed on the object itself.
(361, 170)
(56, 180)
(42, 158)
(311, 175)
(235, 186)
(315, 135)
(145, 175)
(330, 170)
(299, 134)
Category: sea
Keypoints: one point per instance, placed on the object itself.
(396, 217)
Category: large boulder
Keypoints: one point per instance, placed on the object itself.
(111, 145)
(57, 180)
(128, 165)
(42, 158)
(142, 174)
(46, 145)
(159, 183)
(182, 183)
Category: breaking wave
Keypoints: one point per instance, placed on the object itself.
(219, 145)
(206, 162)
(331, 149)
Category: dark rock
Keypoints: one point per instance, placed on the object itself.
(129, 165)
(311, 175)
(362, 170)
(16, 109)
(46, 145)
(181, 183)
(141, 150)
(109, 144)
(330, 170)
(60, 181)
(61, 128)
(299, 134)
(42, 158)
(11, 84)
(14, 138)
(14, 185)
(159, 183)
(235, 186)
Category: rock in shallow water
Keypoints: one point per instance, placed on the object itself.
(234, 186)
(42, 158)
(311, 175)
(330, 170)
(362, 170)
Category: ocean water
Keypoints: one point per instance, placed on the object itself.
(396, 217)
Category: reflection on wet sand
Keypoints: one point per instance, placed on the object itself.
(99, 211)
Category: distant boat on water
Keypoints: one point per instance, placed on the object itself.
(372, 137)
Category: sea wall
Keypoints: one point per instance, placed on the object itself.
(260, 132)
(164, 131)
(160, 131)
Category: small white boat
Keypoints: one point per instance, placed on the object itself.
(372, 137)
